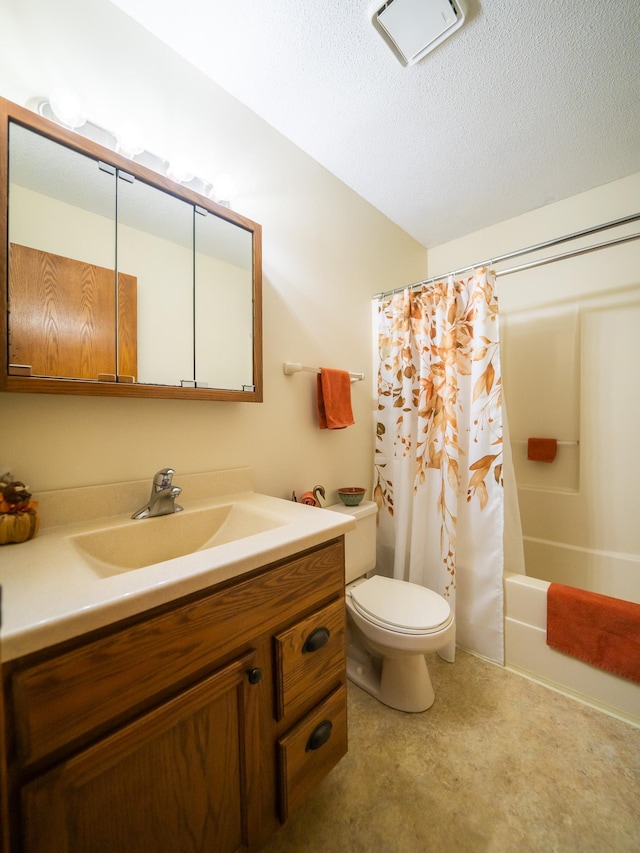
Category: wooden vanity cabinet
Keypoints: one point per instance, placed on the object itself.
(197, 727)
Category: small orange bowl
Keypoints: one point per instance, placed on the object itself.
(351, 495)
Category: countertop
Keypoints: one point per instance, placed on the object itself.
(51, 592)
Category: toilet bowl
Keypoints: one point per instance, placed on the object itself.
(391, 624)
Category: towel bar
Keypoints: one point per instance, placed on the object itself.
(290, 367)
(524, 441)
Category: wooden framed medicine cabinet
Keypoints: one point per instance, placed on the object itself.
(116, 280)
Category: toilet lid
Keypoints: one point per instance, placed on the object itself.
(400, 606)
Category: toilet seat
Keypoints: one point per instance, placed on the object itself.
(400, 606)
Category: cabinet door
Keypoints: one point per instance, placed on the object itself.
(155, 244)
(62, 261)
(175, 779)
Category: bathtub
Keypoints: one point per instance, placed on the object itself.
(527, 653)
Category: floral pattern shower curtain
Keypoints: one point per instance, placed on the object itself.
(438, 463)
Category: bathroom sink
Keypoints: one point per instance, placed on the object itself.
(141, 543)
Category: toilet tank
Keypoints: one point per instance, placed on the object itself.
(360, 544)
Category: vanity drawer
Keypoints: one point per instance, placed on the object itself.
(310, 749)
(67, 699)
(310, 658)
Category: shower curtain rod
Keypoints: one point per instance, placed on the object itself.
(535, 248)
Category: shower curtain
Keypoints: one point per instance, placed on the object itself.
(439, 450)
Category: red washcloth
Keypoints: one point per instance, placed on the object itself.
(542, 449)
(334, 399)
(597, 629)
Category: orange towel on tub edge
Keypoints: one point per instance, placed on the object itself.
(333, 398)
(595, 628)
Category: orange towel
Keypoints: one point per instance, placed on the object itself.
(597, 629)
(542, 449)
(334, 399)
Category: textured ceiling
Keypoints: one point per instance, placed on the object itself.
(530, 102)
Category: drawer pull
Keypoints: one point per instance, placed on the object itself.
(254, 675)
(319, 736)
(316, 640)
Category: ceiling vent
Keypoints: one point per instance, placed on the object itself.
(413, 28)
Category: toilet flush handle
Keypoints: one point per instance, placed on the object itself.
(316, 640)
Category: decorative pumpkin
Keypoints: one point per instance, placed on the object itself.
(18, 527)
(18, 517)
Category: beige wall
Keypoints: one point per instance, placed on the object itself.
(325, 253)
(571, 352)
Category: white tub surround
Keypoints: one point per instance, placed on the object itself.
(52, 591)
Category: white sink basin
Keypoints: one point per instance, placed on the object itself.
(89, 567)
(148, 541)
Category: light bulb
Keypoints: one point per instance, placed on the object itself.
(179, 171)
(130, 141)
(224, 188)
(67, 108)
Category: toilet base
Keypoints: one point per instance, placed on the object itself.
(364, 670)
(402, 683)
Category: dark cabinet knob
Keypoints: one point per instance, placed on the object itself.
(320, 735)
(254, 675)
(316, 640)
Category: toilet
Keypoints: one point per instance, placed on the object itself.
(391, 624)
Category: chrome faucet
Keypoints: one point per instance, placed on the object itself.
(163, 496)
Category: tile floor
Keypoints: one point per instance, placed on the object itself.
(498, 764)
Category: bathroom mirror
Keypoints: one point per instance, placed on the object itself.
(118, 281)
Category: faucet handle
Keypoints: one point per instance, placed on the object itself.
(162, 479)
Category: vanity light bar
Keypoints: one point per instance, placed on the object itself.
(76, 121)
